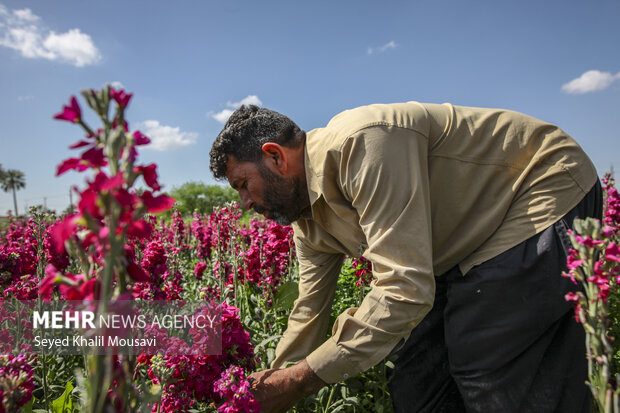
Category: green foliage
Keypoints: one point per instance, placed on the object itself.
(64, 404)
(196, 196)
(286, 296)
(367, 392)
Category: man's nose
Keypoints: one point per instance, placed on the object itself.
(246, 200)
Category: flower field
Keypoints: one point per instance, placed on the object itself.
(249, 266)
(113, 247)
(118, 247)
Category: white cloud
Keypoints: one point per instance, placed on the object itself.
(164, 138)
(22, 30)
(73, 46)
(24, 98)
(223, 115)
(117, 85)
(590, 81)
(248, 100)
(390, 45)
(26, 15)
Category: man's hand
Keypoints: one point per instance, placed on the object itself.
(277, 390)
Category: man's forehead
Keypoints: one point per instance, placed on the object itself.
(236, 170)
(232, 170)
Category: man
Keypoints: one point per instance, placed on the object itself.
(463, 213)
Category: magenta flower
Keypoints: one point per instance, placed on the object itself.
(158, 203)
(199, 269)
(79, 144)
(17, 382)
(62, 231)
(140, 139)
(121, 97)
(71, 113)
(137, 273)
(235, 389)
(149, 174)
(587, 241)
(139, 229)
(71, 163)
(94, 156)
(612, 252)
(84, 290)
(46, 287)
(573, 261)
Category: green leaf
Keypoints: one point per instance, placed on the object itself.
(64, 404)
(28, 406)
(267, 341)
(286, 296)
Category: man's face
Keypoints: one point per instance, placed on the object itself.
(275, 197)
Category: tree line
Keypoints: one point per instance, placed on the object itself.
(191, 196)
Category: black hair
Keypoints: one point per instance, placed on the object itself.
(245, 132)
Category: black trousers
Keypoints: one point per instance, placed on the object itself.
(501, 338)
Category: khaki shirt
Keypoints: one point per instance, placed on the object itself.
(417, 189)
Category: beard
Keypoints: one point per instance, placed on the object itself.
(284, 198)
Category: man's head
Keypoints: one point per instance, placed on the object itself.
(260, 152)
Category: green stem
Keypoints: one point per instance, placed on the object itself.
(329, 399)
(45, 391)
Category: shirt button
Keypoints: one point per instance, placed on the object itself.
(326, 224)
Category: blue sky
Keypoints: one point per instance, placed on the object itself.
(190, 61)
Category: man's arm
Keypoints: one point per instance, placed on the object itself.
(384, 174)
(279, 389)
(319, 268)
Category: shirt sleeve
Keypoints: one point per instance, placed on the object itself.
(309, 318)
(384, 173)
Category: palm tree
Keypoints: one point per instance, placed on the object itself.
(14, 180)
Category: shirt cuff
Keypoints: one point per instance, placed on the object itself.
(331, 363)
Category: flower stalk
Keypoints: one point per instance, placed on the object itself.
(593, 263)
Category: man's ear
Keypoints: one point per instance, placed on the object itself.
(275, 156)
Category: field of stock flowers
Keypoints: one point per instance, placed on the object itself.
(116, 246)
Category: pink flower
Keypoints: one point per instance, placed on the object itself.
(234, 387)
(94, 156)
(573, 262)
(89, 203)
(121, 97)
(71, 163)
(158, 203)
(62, 231)
(587, 241)
(149, 174)
(139, 229)
(612, 252)
(199, 269)
(85, 290)
(46, 287)
(137, 273)
(140, 139)
(80, 144)
(18, 381)
(71, 113)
